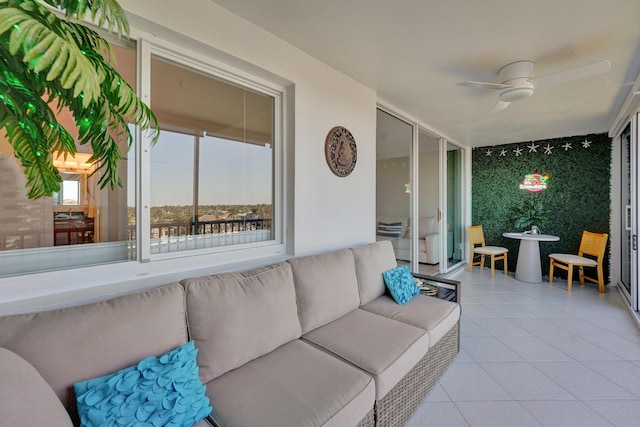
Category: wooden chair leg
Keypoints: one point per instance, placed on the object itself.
(504, 264)
(493, 266)
(581, 274)
(600, 280)
(551, 265)
(569, 277)
(481, 262)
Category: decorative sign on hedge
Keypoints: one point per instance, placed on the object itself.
(534, 182)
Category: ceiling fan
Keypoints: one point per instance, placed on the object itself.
(517, 81)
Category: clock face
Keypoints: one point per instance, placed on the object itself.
(340, 151)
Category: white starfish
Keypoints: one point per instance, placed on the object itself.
(586, 144)
(488, 152)
(567, 146)
(548, 148)
(503, 152)
(533, 148)
(518, 151)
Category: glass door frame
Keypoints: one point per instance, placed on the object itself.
(628, 215)
(443, 211)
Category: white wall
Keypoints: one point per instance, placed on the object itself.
(325, 212)
(393, 174)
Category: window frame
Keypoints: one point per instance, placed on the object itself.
(147, 49)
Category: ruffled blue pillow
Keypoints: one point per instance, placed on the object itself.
(400, 283)
(160, 392)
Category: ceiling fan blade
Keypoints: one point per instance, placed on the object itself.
(500, 105)
(484, 85)
(574, 73)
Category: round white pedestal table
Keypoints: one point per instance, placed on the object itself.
(529, 265)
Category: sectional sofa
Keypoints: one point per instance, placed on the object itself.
(313, 341)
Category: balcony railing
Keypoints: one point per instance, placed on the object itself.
(218, 226)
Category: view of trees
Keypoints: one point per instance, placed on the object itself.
(183, 214)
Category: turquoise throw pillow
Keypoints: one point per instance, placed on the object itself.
(400, 283)
(164, 391)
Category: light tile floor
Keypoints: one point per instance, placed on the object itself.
(537, 355)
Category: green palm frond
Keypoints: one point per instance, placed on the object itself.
(49, 46)
(44, 58)
(107, 11)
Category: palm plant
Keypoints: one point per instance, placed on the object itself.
(48, 60)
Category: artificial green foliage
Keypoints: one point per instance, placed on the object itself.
(577, 197)
(47, 60)
(531, 212)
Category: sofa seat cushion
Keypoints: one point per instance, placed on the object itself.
(72, 344)
(234, 319)
(431, 314)
(371, 261)
(25, 397)
(296, 385)
(326, 287)
(385, 348)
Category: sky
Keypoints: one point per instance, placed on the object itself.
(231, 172)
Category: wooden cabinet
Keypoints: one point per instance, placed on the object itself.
(72, 231)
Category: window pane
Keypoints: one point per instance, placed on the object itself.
(212, 170)
(171, 192)
(42, 235)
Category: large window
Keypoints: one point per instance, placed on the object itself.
(212, 170)
(80, 225)
(210, 184)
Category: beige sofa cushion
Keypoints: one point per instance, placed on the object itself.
(371, 261)
(76, 343)
(385, 348)
(296, 385)
(25, 397)
(326, 287)
(236, 318)
(427, 225)
(434, 315)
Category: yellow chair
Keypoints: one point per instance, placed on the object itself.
(593, 245)
(476, 237)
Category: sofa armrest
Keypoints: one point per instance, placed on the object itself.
(446, 284)
(432, 248)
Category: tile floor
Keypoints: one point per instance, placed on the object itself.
(537, 355)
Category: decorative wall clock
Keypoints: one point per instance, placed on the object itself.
(340, 151)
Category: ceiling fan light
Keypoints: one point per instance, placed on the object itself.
(515, 94)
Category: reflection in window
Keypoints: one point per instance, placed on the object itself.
(212, 170)
(40, 235)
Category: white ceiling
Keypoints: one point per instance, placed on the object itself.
(414, 52)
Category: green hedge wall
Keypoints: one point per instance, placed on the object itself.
(577, 197)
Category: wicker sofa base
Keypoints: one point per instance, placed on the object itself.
(368, 420)
(397, 406)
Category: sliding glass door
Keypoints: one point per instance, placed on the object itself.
(419, 200)
(629, 213)
(454, 228)
(393, 184)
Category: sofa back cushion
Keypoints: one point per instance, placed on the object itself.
(237, 317)
(371, 261)
(25, 397)
(326, 287)
(427, 225)
(72, 344)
